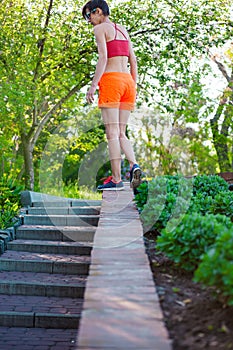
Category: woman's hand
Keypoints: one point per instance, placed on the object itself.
(90, 94)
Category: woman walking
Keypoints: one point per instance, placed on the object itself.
(117, 89)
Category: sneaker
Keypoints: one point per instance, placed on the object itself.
(111, 186)
(107, 180)
(135, 176)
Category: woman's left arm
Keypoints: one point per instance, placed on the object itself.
(101, 63)
(133, 62)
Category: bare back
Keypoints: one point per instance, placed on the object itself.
(117, 63)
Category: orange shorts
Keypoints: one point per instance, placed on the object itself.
(117, 90)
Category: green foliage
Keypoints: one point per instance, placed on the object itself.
(154, 187)
(167, 197)
(48, 57)
(73, 190)
(223, 204)
(205, 189)
(209, 185)
(202, 155)
(157, 198)
(216, 267)
(141, 196)
(191, 238)
(85, 143)
(9, 201)
(201, 203)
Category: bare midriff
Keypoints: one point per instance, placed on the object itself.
(117, 64)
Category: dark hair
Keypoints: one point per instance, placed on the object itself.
(93, 4)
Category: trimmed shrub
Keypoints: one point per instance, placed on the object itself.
(191, 238)
(141, 196)
(167, 198)
(201, 203)
(157, 198)
(162, 194)
(209, 185)
(223, 204)
(216, 267)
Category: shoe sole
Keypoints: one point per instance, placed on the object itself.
(136, 180)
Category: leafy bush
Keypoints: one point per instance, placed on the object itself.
(201, 203)
(167, 198)
(191, 238)
(223, 204)
(209, 185)
(141, 196)
(159, 185)
(156, 211)
(164, 197)
(216, 267)
(209, 196)
(9, 201)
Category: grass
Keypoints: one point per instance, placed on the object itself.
(73, 191)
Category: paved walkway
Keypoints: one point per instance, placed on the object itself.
(121, 307)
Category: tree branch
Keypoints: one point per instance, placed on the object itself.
(61, 65)
(220, 67)
(41, 42)
(51, 112)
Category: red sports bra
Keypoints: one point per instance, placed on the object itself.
(118, 47)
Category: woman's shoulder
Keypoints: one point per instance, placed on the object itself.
(122, 29)
(103, 26)
(109, 28)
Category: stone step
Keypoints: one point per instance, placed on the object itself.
(52, 247)
(37, 339)
(65, 203)
(42, 284)
(39, 311)
(87, 210)
(61, 220)
(56, 233)
(44, 262)
(31, 320)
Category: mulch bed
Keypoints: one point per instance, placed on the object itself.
(194, 317)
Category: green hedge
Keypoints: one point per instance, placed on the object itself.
(200, 241)
(191, 238)
(216, 267)
(170, 197)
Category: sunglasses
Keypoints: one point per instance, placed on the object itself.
(88, 14)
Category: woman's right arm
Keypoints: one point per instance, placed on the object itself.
(101, 63)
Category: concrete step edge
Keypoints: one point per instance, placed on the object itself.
(52, 267)
(40, 289)
(44, 247)
(38, 320)
(52, 228)
(61, 220)
(60, 211)
(56, 233)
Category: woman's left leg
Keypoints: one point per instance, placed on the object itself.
(135, 171)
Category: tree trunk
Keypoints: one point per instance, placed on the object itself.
(220, 137)
(28, 162)
(225, 109)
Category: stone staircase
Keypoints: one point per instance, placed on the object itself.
(44, 270)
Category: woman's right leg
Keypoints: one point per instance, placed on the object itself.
(125, 143)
